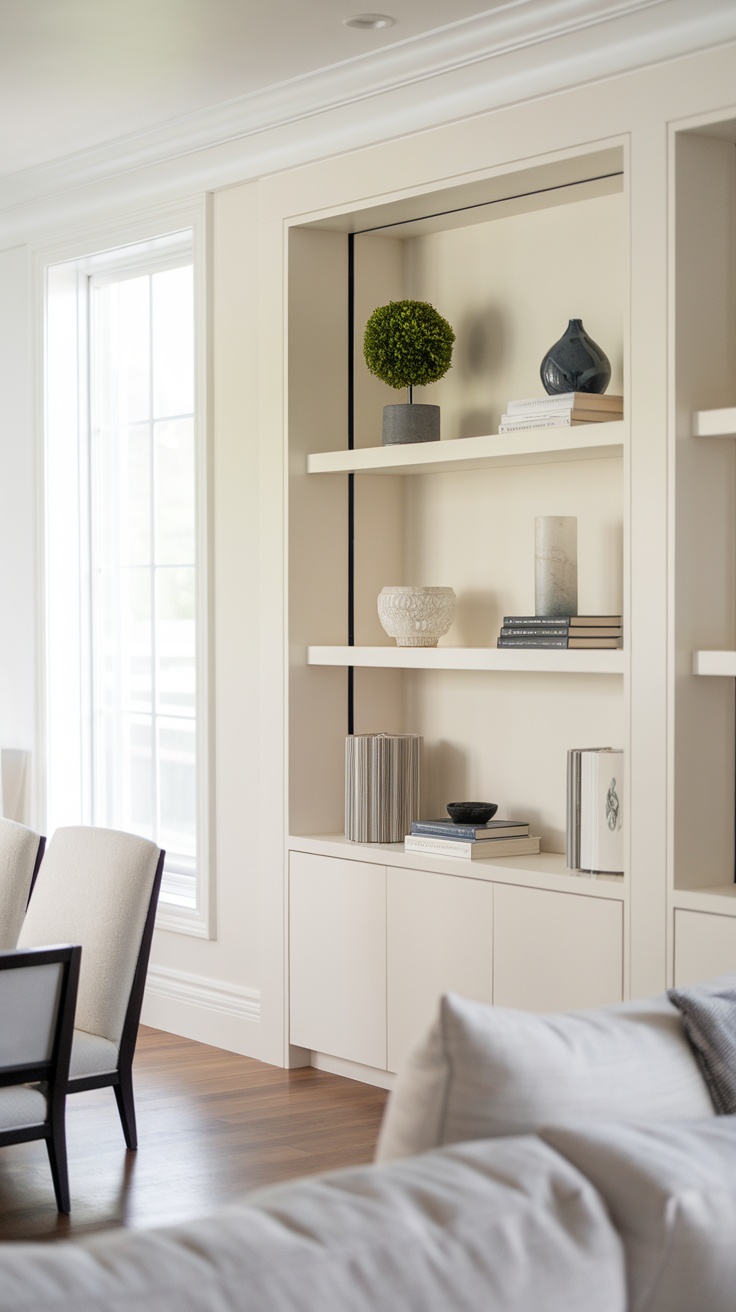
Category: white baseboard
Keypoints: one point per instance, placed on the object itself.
(199, 991)
(210, 1011)
(352, 1070)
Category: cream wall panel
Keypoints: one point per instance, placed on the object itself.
(509, 287)
(236, 669)
(704, 574)
(556, 952)
(475, 533)
(439, 939)
(504, 738)
(338, 957)
(704, 946)
(379, 277)
(318, 523)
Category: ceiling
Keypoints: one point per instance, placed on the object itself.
(77, 73)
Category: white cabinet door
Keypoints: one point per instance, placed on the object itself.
(439, 939)
(705, 946)
(556, 951)
(338, 957)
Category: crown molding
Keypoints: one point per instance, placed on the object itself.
(524, 49)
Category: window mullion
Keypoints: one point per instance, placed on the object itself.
(154, 617)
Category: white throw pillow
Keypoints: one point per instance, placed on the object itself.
(671, 1193)
(484, 1071)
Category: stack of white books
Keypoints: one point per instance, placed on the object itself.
(561, 411)
(496, 838)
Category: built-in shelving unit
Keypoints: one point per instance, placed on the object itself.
(516, 660)
(539, 446)
(377, 933)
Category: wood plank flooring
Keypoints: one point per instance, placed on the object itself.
(211, 1125)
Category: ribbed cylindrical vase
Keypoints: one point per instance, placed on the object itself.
(556, 565)
(381, 786)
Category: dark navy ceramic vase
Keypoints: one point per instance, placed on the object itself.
(575, 364)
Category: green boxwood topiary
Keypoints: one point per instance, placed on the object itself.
(408, 344)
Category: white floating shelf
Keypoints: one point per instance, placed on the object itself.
(717, 899)
(714, 662)
(516, 659)
(538, 446)
(715, 423)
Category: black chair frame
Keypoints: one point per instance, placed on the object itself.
(37, 866)
(54, 1072)
(121, 1079)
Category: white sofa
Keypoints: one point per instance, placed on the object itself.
(585, 1215)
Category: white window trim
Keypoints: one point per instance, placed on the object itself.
(108, 236)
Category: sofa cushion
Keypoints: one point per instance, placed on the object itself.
(484, 1071)
(509, 1226)
(671, 1192)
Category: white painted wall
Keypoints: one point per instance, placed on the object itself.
(189, 975)
(17, 507)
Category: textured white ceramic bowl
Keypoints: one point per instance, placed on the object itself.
(416, 617)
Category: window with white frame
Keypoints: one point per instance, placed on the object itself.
(124, 586)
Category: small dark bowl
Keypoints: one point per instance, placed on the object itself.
(471, 813)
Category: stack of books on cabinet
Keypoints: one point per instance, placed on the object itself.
(563, 411)
(584, 632)
(495, 838)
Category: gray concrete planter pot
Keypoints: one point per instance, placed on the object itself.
(410, 423)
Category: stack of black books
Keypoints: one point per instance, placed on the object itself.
(581, 631)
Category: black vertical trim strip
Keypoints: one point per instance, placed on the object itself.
(351, 477)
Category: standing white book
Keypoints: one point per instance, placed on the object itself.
(599, 848)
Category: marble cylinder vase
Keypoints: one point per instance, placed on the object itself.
(556, 565)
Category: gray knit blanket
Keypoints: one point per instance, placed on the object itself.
(709, 1016)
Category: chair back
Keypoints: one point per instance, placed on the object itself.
(38, 992)
(20, 852)
(97, 887)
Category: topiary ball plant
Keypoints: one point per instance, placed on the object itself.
(408, 344)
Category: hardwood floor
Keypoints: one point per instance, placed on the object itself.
(211, 1125)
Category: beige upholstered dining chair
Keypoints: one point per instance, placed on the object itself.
(38, 993)
(20, 856)
(99, 887)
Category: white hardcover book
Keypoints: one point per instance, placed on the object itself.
(472, 850)
(514, 425)
(601, 844)
(566, 400)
